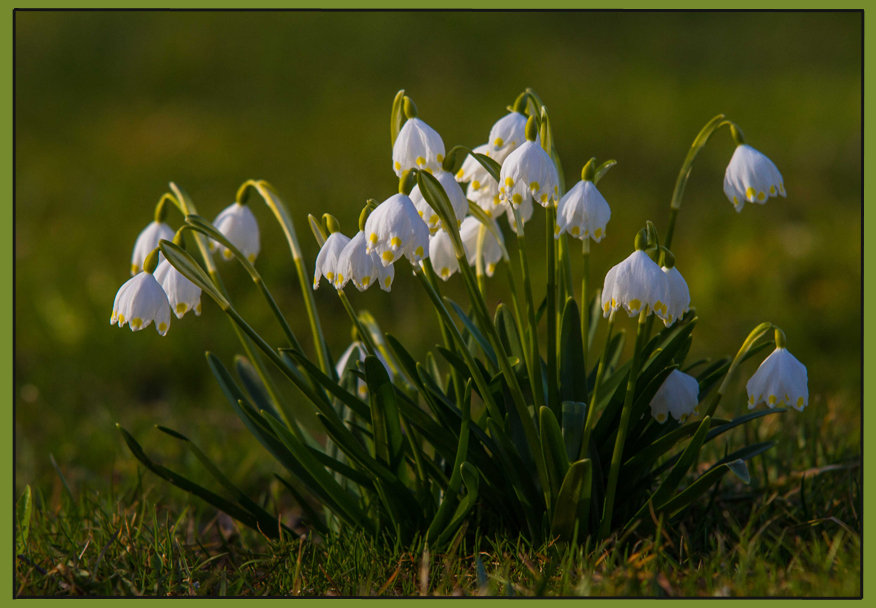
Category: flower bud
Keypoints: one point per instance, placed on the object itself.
(668, 258)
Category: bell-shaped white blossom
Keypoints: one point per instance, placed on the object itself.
(418, 146)
(678, 395)
(139, 302)
(529, 172)
(634, 285)
(472, 171)
(357, 352)
(679, 296)
(238, 224)
(491, 249)
(583, 212)
(363, 268)
(395, 229)
(486, 196)
(780, 380)
(457, 201)
(508, 133)
(751, 177)
(524, 210)
(327, 261)
(443, 255)
(182, 294)
(147, 241)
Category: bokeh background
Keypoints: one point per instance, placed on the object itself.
(112, 106)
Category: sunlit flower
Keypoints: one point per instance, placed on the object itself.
(454, 192)
(443, 255)
(634, 285)
(363, 268)
(139, 302)
(418, 146)
(487, 198)
(751, 177)
(472, 171)
(678, 301)
(327, 261)
(182, 294)
(491, 249)
(524, 210)
(238, 224)
(394, 229)
(357, 352)
(507, 134)
(780, 380)
(678, 395)
(148, 240)
(529, 172)
(583, 212)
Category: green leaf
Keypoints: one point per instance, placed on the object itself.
(740, 469)
(475, 210)
(573, 501)
(574, 416)
(650, 454)
(508, 334)
(518, 475)
(397, 118)
(253, 385)
(554, 449)
(693, 491)
(602, 169)
(471, 480)
(595, 309)
(348, 399)
(190, 269)
(23, 511)
(385, 421)
(434, 193)
(490, 165)
(474, 331)
(573, 376)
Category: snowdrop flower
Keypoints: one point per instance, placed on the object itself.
(147, 241)
(634, 285)
(472, 171)
(442, 254)
(507, 134)
(141, 300)
(491, 249)
(394, 229)
(454, 193)
(751, 177)
(678, 395)
(486, 196)
(182, 294)
(529, 172)
(327, 261)
(238, 224)
(781, 379)
(355, 264)
(418, 146)
(678, 301)
(583, 212)
(347, 361)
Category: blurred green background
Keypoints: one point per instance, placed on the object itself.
(111, 106)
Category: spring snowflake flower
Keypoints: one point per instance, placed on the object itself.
(492, 250)
(347, 361)
(472, 171)
(529, 172)
(524, 210)
(507, 134)
(780, 379)
(238, 224)
(394, 229)
(182, 294)
(364, 269)
(454, 193)
(678, 395)
(139, 302)
(327, 260)
(634, 285)
(486, 196)
(678, 301)
(148, 240)
(418, 146)
(751, 177)
(583, 212)
(442, 254)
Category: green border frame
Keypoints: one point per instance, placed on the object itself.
(6, 269)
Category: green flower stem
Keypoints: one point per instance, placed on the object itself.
(360, 329)
(551, 312)
(515, 301)
(534, 363)
(585, 302)
(673, 213)
(756, 333)
(617, 456)
(445, 324)
(594, 396)
(565, 272)
(479, 261)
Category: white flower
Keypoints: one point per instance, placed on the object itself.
(454, 192)
(678, 395)
(147, 241)
(327, 260)
(524, 210)
(394, 229)
(507, 134)
(751, 177)
(472, 171)
(347, 362)
(487, 198)
(678, 301)
(418, 146)
(182, 294)
(140, 301)
(529, 171)
(491, 249)
(583, 212)
(780, 379)
(238, 224)
(363, 268)
(634, 285)
(443, 255)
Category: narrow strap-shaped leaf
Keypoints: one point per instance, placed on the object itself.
(474, 331)
(650, 454)
(384, 415)
(471, 480)
(574, 415)
(692, 492)
(397, 118)
(190, 269)
(311, 518)
(595, 309)
(554, 449)
(573, 376)
(348, 399)
(518, 475)
(507, 330)
(747, 453)
(573, 501)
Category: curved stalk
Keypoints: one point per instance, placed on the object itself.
(360, 329)
(594, 396)
(553, 399)
(756, 333)
(534, 362)
(446, 330)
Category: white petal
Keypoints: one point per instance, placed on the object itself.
(238, 224)
(147, 241)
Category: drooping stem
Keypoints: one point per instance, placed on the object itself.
(617, 456)
(446, 331)
(532, 329)
(594, 396)
(551, 312)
